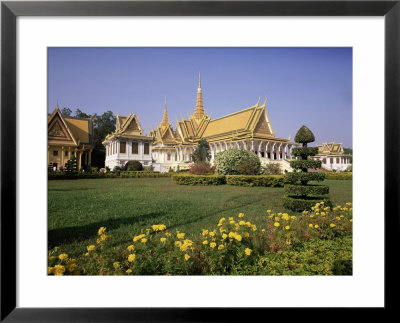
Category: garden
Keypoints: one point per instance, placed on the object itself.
(140, 223)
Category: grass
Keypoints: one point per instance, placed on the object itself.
(77, 208)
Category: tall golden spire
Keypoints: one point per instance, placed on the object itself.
(199, 110)
(165, 121)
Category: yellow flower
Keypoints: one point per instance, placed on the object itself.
(246, 234)
(50, 270)
(230, 218)
(316, 226)
(287, 227)
(98, 241)
(248, 251)
(241, 215)
(178, 244)
(167, 234)
(180, 235)
(130, 248)
(277, 219)
(323, 213)
(242, 223)
(144, 240)
(332, 225)
(310, 225)
(238, 237)
(311, 215)
(337, 218)
(163, 240)
(131, 257)
(221, 247)
(254, 227)
(213, 244)
(276, 224)
(205, 242)
(128, 271)
(63, 256)
(159, 227)
(91, 247)
(248, 224)
(224, 236)
(101, 231)
(187, 257)
(351, 220)
(116, 264)
(263, 230)
(268, 211)
(293, 217)
(232, 222)
(205, 232)
(86, 254)
(59, 270)
(288, 242)
(137, 238)
(211, 234)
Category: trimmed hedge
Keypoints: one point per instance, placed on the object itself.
(302, 190)
(255, 180)
(340, 176)
(184, 179)
(300, 204)
(305, 151)
(309, 163)
(131, 174)
(302, 176)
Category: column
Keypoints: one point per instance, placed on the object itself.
(79, 160)
(62, 156)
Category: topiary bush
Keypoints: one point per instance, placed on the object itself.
(133, 165)
(301, 196)
(234, 162)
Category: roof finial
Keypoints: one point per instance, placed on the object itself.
(57, 105)
(259, 98)
(199, 81)
(199, 109)
(165, 121)
(265, 102)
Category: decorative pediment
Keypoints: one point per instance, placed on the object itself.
(262, 126)
(57, 129)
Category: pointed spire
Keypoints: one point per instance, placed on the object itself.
(165, 121)
(265, 102)
(199, 109)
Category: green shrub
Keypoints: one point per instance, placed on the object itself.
(307, 190)
(304, 151)
(305, 164)
(228, 161)
(299, 196)
(340, 176)
(255, 180)
(133, 165)
(188, 179)
(303, 177)
(272, 169)
(298, 204)
(249, 167)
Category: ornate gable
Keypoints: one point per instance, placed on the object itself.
(57, 130)
(262, 126)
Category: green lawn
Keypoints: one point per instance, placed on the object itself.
(77, 208)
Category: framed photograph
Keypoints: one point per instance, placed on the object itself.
(160, 187)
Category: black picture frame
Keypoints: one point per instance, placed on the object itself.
(10, 10)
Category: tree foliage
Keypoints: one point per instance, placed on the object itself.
(202, 152)
(304, 136)
(232, 162)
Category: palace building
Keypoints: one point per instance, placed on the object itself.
(333, 157)
(249, 128)
(166, 147)
(127, 143)
(67, 137)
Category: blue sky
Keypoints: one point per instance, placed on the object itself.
(310, 86)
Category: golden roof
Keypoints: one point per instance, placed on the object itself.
(127, 127)
(331, 148)
(69, 131)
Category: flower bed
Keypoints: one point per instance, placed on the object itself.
(255, 180)
(317, 242)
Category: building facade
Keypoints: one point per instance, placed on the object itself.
(249, 129)
(67, 137)
(333, 157)
(127, 143)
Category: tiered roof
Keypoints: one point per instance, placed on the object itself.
(127, 127)
(69, 131)
(331, 149)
